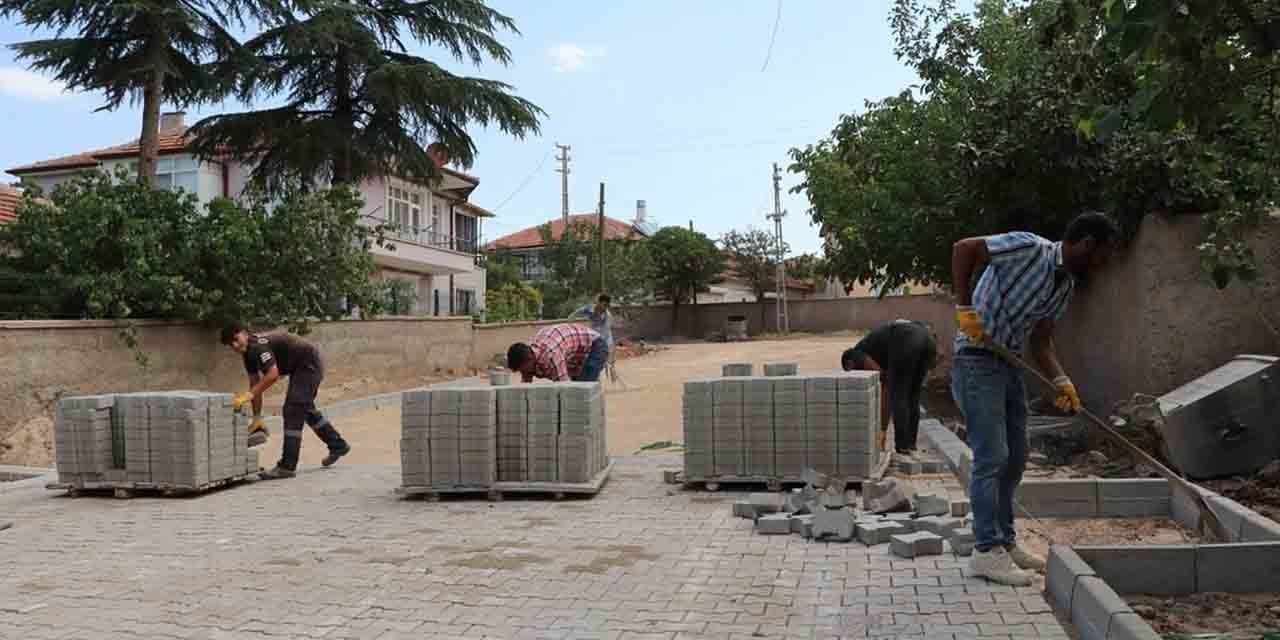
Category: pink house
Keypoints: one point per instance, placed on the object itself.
(436, 246)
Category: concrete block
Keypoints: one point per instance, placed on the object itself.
(931, 504)
(774, 524)
(907, 466)
(1062, 569)
(1158, 570)
(1256, 527)
(772, 369)
(910, 545)
(873, 533)
(1130, 626)
(939, 525)
(767, 502)
(735, 369)
(813, 478)
(1238, 568)
(906, 520)
(1073, 498)
(744, 509)
(833, 524)
(962, 541)
(890, 494)
(800, 522)
(1134, 497)
(832, 499)
(960, 508)
(1093, 604)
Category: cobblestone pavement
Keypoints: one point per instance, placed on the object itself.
(335, 554)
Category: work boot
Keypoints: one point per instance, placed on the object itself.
(996, 565)
(258, 438)
(1025, 559)
(337, 446)
(277, 473)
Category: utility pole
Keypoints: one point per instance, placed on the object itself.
(784, 319)
(600, 231)
(564, 182)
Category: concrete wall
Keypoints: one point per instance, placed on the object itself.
(42, 360)
(1154, 320)
(492, 340)
(816, 316)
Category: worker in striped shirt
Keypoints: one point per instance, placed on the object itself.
(560, 352)
(1020, 293)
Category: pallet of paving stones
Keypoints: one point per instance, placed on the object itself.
(499, 490)
(126, 489)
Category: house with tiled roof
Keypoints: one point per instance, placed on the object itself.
(526, 245)
(9, 197)
(434, 249)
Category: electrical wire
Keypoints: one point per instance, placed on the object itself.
(772, 37)
(525, 183)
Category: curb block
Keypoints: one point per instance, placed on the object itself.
(1064, 567)
(1157, 570)
(1238, 568)
(1093, 605)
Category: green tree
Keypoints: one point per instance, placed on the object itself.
(145, 51)
(993, 139)
(513, 301)
(753, 255)
(572, 263)
(121, 250)
(357, 103)
(685, 263)
(501, 268)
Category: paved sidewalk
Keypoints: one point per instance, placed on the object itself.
(335, 554)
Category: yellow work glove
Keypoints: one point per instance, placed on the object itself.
(239, 401)
(1068, 398)
(969, 323)
(257, 425)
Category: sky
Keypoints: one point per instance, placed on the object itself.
(669, 101)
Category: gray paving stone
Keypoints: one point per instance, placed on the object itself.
(874, 533)
(911, 545)
(774, 524)
(833, 524)
(930, 504)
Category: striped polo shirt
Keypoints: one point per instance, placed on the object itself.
(1023, 283)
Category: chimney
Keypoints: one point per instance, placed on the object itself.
(172, 121)
(640, 212)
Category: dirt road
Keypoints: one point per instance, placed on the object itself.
(648, 412)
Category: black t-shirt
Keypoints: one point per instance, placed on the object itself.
(876, 344)
(284, 351)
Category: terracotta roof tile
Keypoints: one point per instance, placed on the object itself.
(614, 229)
(9, 198)
(172, 141)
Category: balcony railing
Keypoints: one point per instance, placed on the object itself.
(425, 236)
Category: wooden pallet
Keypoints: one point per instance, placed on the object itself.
(497, 491)
(126, 489)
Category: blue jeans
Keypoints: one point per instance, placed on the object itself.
(993, 398)
(595, 362)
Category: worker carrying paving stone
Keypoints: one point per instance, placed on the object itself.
(561, 353)
(902, 351)
(266, 359)
(1020, 293)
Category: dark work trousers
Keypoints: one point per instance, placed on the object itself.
(912, 352)
(300, 407)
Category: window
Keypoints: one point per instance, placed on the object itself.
(404, 210)
(435, 223)
(174, 173)
(464, 301)
(464, 233)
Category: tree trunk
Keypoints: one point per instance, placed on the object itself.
(675, 314)
(344, 115)
(152, 96)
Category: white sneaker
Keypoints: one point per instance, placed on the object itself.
(996, 566)
(1026, 560)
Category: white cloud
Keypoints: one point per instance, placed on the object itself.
(569, 57)
(21, 83)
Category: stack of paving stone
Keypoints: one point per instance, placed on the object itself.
(178, 439)
(772, 428)
(471, 437)
(83, 436)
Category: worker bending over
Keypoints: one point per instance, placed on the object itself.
(902, 351)
(1021, 292)
(266, 359)
(560, 352)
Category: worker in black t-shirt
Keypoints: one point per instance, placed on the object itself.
(902, 351)
(266, 359)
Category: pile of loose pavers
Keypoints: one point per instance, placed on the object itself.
(912, 524)
(473, 437)
(174, 439)
(739, 427)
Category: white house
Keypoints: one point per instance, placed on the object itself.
(436, 247)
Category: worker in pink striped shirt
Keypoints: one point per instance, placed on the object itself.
(560, 352)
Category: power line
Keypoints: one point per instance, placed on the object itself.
(772, 37)
(524, 184)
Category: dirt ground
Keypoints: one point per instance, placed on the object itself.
(1036, 536)
(644, 411)
(1228, 616)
